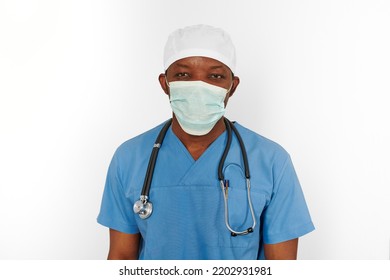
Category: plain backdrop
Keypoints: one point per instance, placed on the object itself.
(78, 78)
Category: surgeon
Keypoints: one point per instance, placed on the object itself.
(200, 186)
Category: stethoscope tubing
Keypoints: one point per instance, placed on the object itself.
(232, 231)
(144, 208)
(153, 158)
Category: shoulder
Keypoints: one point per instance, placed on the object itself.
(255, 142)
(139, 143)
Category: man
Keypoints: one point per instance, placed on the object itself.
(201, 211)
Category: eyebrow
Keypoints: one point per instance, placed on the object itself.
(187, 66)
(182, 65)
(216, 67)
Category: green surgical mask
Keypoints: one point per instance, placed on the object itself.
(197, 105)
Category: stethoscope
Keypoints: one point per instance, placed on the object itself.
(144, 208)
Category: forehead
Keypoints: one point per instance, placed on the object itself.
(198, 62)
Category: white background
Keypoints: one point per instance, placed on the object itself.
(77, 78)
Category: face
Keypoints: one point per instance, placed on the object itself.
(199, 68)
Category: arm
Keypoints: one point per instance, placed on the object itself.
(282, 251)
(123, 246)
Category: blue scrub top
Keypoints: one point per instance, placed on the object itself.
(188, 209)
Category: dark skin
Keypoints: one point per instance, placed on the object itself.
(125, 246)
(199, 69)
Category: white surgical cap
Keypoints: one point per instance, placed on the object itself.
(200, 40)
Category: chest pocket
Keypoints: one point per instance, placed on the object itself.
(239, 214)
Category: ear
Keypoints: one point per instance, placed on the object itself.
(236, 82)
(163, 83)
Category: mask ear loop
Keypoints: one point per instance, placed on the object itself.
(228, 91)
(231, 86)
(166, 81)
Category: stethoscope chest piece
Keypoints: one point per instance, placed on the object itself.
(143, 208)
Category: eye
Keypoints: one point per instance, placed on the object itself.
(217, 76)
(182, 75)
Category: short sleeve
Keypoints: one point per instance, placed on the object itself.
(116, 211)
(286, 216)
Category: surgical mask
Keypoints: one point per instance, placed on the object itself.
(197, 105)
